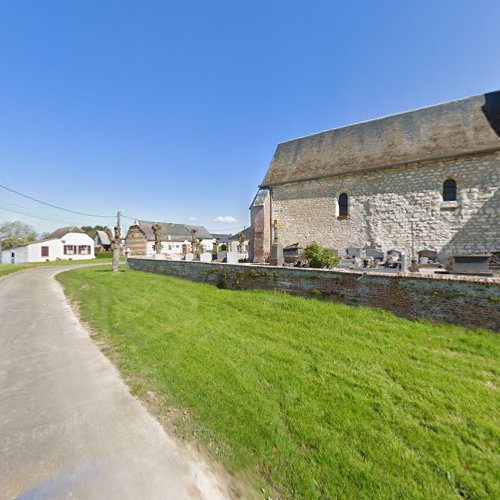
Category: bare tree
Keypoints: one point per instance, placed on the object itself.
(157, 232)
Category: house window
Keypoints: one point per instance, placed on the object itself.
(45, 251)
(69, 249)
(343, 205)
(449, 190)
(84, 249)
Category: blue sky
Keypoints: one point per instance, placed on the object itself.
(174, 109)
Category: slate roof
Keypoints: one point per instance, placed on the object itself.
(246, 232)
(173, 232)
(59, 233)
(451, 129)
(103, 237)
(222, 237)
(56, 235)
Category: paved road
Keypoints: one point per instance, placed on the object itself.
(68, 425)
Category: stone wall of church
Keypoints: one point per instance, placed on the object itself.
(398, 207)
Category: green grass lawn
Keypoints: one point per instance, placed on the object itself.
(13, 268)
(311, 399)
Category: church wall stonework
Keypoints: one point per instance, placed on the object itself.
(398, 207)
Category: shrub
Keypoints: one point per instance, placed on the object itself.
(320, 258)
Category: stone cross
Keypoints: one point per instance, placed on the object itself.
(194, 241)
(241, 240)
(275, 227)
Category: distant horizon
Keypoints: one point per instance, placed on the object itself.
(172, 112)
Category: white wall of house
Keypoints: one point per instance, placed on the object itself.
(79, 246)
(173, 249)
(234, 246)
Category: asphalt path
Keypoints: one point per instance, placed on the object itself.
(69, 428)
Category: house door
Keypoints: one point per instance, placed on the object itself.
(13, 257)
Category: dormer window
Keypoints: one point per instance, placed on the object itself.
(449, 190)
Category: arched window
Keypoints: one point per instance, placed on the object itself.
(343, 205)
(449, 190)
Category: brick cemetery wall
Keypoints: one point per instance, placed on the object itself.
(467, 301)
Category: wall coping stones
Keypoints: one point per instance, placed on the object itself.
(424, 276)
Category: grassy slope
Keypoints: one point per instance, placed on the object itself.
(322, 399)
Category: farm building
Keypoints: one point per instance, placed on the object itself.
(102, 241)
(176, 239)
(426, 181)
(66, 243)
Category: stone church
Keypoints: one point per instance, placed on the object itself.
(425, 180)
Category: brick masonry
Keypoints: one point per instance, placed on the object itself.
(470, 302)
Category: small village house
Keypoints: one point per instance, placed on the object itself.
(176, 239)
(102, 241)
(66, 243)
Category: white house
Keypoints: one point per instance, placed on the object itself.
(175, 239)
(66, 243)
(235, 245)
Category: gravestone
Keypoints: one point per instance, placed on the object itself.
(206, 257)
(353, 252)
(293, 253)
(396, 259)
(346, 263)
(427, 257)
(404, 262)
(232, 257)
(478, 264)
(377, 255)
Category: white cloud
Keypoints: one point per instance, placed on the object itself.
(192, 219)
(225, 218)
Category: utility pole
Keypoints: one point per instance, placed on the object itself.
(116, 244)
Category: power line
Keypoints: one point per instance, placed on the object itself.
(14, 207)
(31, 216)
(131, 218)
(53, 206)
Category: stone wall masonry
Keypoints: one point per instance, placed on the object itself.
(398, 207)
(467, 301)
